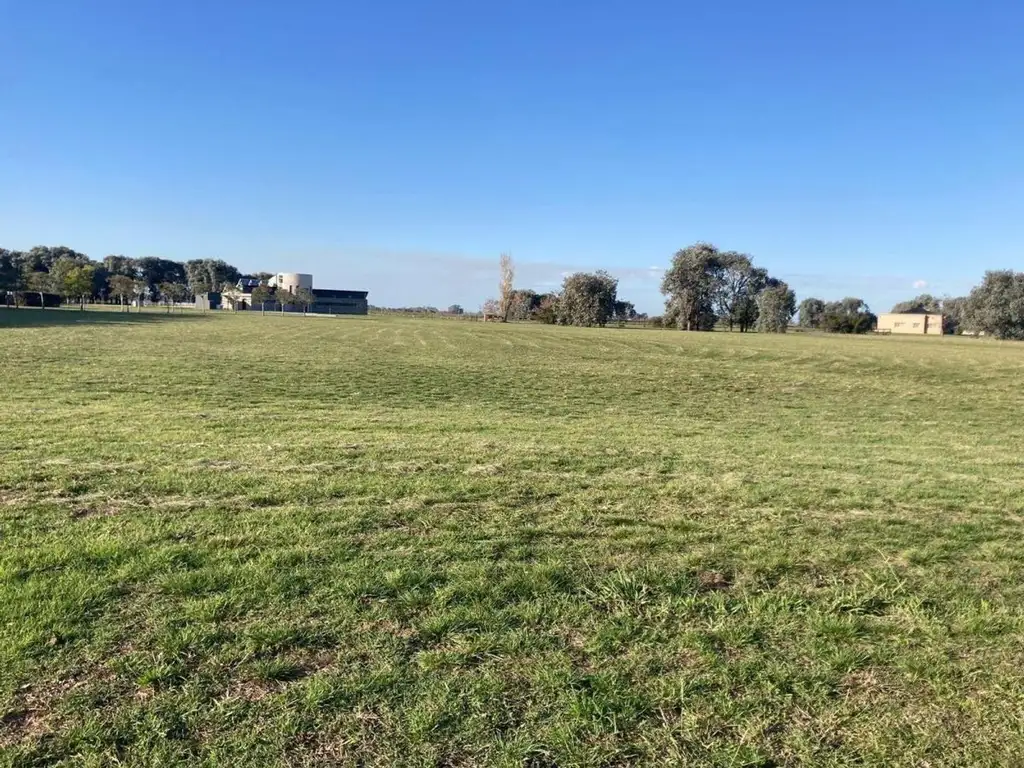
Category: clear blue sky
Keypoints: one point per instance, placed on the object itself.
(398, 146)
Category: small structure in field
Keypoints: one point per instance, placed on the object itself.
(282, 286)
(209, 300)
(918, 323)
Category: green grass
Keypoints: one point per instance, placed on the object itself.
(256, 541)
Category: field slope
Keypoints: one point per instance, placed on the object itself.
(256, 541)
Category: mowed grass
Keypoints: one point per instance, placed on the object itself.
(256, 541)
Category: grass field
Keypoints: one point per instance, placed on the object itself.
(257, 541)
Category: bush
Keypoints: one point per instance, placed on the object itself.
(848, 316)
(547, 312)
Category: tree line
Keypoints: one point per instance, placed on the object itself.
(75, 277)
(585, 299)
(994, 308)
(705, 288)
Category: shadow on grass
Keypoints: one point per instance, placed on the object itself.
(33, 317)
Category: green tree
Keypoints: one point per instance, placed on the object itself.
(167, 297)
(588, 299)
(122, 286)
(59, 272)
(119, 265)
(172, 293)
(198, 277)
(261, 295)
(76, 282)
(735, 299)
(41, 283)
(285, 299)
(100, 281)
(10, 276)
(140, 290)
(624, 311)
(851, 315)
(203, 275)
(456, 309)
(153, 271)
(523, 303)
(953, 314)
(547, 312)
(691, 285)
(997, 305)
(919, 304)
(304, 298)
(812, 313)
(776, 304)
(42, 258)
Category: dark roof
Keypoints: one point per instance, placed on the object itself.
(330, 293)
(248, 282)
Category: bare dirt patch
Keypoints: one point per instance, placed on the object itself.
(713, 581)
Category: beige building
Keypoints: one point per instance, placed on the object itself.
(921, 324)
(325, 300)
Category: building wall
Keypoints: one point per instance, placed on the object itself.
(347, 307)
(343, 307)
(292, 281)
(920, 325)
(327, 301)
(206, 301)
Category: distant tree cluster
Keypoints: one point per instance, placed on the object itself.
(523, 304)
(851, 315)
(705, 286)
(995, 308)
(405, 310)
(203, 275)
(75, 277)
(586, 299)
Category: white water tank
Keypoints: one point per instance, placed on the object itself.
(293, 281)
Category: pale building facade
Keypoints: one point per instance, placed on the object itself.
(326, 300)
(920, 324)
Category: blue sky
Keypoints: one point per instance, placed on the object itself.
(399, 146)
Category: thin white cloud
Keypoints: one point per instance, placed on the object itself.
(919, 284)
